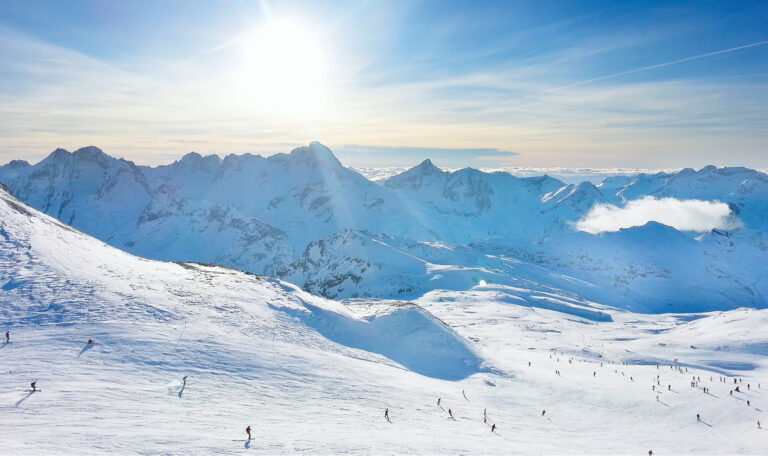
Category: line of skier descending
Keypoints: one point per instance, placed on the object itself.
(695, 382)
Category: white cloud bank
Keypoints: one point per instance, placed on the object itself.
(683, 215)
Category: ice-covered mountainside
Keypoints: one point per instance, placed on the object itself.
(304, 217)
(312, 375)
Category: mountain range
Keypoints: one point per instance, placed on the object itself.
(307, 219)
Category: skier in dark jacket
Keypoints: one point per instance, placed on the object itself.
(7, 336)
(90, 342)
(386, 414)
(493, 428)
(248, 431)
(33, 385)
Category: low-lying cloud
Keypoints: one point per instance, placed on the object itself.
(683, 215)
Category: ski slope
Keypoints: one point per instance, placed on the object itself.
(312, 375)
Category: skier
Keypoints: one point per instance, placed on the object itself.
(650, 452)
(386, 414)
(493, 428)
(669, 387)
(594, 374)
(248, 431)
(543, 412)
(698, 418)
(529, 364)
(485, 415)
(737, 389)
(184, 381)
(747, 403)
(731, 392)
(34, 385)
(450, 413)
(438, 401)
(758, 425)
(90, 342)
(7, 336)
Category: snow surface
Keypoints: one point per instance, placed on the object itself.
(311, 375)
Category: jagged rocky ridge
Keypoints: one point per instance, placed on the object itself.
(306, 218)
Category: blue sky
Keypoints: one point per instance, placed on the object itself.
(569, 84)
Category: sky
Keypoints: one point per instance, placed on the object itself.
(604, 84)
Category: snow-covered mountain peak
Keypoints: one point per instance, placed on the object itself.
(652, 231)
(89, 151)
(16, 164)
(92, 154)
(315, 154)
(58, 154)
(427, 167)
(415, 177)
(194, 160)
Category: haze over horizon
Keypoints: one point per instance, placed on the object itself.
(520, 84)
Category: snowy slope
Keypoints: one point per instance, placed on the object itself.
(304, 217)
(314, 376)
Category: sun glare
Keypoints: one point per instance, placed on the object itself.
(285, 69)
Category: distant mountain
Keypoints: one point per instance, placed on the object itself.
(306, 218)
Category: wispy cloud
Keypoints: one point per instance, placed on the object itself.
(659, 65)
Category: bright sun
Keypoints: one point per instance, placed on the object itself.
(285, 69)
